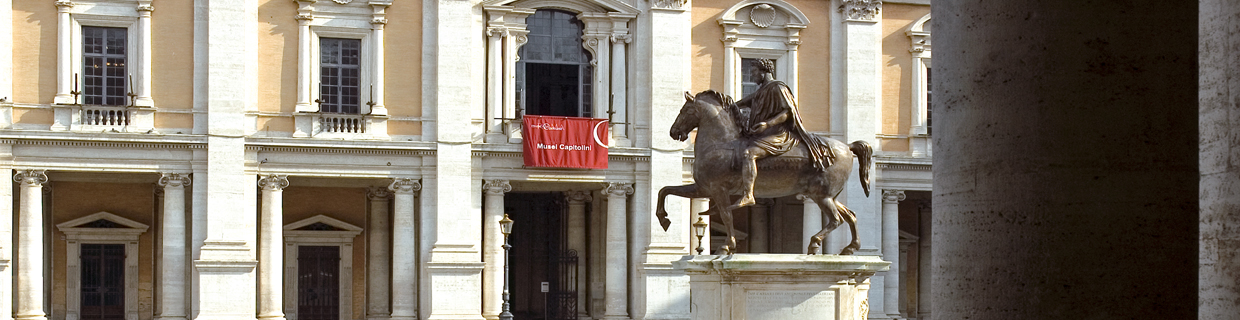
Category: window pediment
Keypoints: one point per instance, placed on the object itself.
(321, 226)
(101, 223)
(572, 5)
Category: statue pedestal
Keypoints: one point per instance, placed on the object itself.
(779, 286)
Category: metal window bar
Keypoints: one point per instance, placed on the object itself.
(104, 65)
(340, 75)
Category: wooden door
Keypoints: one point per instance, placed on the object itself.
(318, 283)
(103, 281)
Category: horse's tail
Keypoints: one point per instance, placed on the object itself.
(865, 155)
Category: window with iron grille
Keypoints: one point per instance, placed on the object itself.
(340, 75)
(104, 66)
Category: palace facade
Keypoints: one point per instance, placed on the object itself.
(351, 159)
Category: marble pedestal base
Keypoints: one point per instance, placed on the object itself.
(779, 286)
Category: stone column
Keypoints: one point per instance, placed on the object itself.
(495, 80)
(1067, 182)
(1220, 176)
(379, 269)
(924, 289)
(619, 76)
(492, 249)
(144, 55)
(759, 215)
(697, 207)
(64, 57)
(404, 266)
(172, 276)
(29, 282)
(891, 250)
(271, 248)
(616, 294)
(577, 242)
(305, 15)
(811, 222)
(6, 242)
(377, 22)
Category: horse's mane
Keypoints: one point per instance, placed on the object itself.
(729, 105)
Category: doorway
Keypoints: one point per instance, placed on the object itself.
(103, 281)
(540, 256)
(318, 283)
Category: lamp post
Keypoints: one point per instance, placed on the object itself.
(699, 229)
(505, 227)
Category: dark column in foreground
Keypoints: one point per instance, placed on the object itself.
(1065, 169)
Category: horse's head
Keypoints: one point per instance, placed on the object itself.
(687, 120)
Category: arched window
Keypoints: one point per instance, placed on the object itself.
(554, 72)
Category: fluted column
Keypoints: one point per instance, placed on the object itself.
(379, 240)
(891, 250)
(270, 248)
(811, 222)
(616, 293)
(29, 282)
(404, 266)
(492, 249)
(144, 55)
(759, 215)
(64, 56)
(577, 242)
(173, 231)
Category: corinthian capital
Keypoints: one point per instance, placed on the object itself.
(618, 189)
(496, 187)
(273, 182)
(865, 10)
(31, 178)
(174, 180)
(405, 185)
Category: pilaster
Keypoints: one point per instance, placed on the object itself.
(616, 294)
(172, 277)
(64, 58)
(144, 55)
(379, 246)
(271, 248)
(891, 251)
(577, 242)
(404, 265)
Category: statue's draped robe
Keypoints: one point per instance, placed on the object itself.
(771, 99)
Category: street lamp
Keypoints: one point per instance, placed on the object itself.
(505, 227)
(699, 229)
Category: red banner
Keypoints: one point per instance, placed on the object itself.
(565, 142)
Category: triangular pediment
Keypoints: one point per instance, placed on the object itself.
(101, 220)
(575, 5)
(321, 223)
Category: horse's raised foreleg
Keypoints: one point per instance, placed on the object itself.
(687, 191)
(851, 218)
(831, 220)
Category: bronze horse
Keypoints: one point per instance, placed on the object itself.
(719, 148)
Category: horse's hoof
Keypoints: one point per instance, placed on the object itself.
(812, 250)
(665, 222)
(848, 251)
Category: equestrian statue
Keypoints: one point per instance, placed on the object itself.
(757, 147)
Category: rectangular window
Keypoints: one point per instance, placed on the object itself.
(340, 75)
(104, 66)
(748, 83)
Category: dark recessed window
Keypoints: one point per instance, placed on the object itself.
(749, 84)
(104, 66)
(554, 72)
(340, 75)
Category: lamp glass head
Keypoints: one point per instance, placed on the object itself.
(699, 227)
(505, 225)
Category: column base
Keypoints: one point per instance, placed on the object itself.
(171, 318)
(21, 317)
